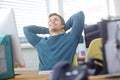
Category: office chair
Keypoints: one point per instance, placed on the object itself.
(75, 61)
(94, 51)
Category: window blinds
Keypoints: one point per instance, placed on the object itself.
(27, 12)
(35, 12)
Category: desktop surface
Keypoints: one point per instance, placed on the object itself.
(33, 75)
(29, 75)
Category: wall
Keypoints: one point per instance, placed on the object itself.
(30, 57)
(117, 7)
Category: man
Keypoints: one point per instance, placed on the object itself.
(60, 46)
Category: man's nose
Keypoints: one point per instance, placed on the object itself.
(52, 21)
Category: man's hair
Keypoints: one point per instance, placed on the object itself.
(61, 18)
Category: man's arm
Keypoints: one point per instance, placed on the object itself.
(76, 21)
(32, 31)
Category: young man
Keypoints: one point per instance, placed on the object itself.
(59, 46)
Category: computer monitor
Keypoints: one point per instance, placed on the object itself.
(110, 33)
(8, 26)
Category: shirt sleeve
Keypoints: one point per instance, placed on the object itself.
(76, 22)
(32, 31)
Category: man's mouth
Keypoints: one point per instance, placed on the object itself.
(53, 24)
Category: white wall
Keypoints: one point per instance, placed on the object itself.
(117, 7)
(30, 57)
(113, 7)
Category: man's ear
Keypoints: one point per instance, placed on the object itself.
(63, 30)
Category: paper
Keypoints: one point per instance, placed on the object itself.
(3, 67)
(45, 72)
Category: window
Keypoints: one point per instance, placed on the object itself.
(27, 12)
(35, 12)
(94, 10)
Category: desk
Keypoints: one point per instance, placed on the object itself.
(81, 59)
(33, 75)
(29, 75)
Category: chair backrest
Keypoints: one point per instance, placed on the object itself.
(75, 61)
(94, 50)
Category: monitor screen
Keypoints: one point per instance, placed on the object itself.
(8, 26)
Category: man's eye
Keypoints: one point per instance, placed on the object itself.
(49, 20)
(56, 19)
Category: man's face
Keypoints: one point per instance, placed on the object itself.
(55, 23)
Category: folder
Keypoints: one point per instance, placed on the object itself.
(6, 59)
